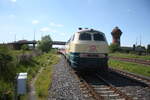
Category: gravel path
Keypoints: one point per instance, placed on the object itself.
(64, 85)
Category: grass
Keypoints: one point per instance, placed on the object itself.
(17, 52)
(44, 78)
(131, 67)
(128, 55)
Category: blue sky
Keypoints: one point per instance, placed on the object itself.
(61, 18)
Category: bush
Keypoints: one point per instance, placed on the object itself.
(5, 90)
(25, 47)
(7, 73)
(7, 64)
(114, 48)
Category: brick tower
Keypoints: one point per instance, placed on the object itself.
(116, 33)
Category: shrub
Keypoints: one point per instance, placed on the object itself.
(7, 73)
(7, 64)
(25, 47)
(114, 48)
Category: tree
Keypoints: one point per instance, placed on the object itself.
(114, 47)
(45, 44)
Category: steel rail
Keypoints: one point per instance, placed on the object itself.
(89, 88)
(134, 60)
(84, 84)
(114, 89)
(143, 79)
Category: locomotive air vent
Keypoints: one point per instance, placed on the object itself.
(80, 28)
(92, 30)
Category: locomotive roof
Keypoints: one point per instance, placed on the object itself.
(89, 30)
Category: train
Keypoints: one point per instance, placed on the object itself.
(87, 49)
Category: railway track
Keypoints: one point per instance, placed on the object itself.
(139, 61)
(132, 76)
(114, 86)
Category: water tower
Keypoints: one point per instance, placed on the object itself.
(116, 33)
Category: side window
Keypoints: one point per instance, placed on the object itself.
(85, 36)
(72, 37)
(68, 41)
(98, 37)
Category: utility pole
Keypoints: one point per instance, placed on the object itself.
(136, 42)
(140, 40)
(34, 39)
(23, 37)
(15, 38)
(34, 35)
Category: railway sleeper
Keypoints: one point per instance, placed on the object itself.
(118, 99)
(112, 97)
(101, 89)
(107, 93)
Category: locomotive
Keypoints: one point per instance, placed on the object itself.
(87, 49)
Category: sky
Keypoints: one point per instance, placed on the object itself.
(20, 19)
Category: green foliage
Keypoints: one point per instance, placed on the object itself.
(16, 62)
(7, 64)
(7, 72)
(114, 47)
(5, 90)
(45, 44)
(11, 63)
(25, 47)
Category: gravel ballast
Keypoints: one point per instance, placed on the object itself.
(64, 85)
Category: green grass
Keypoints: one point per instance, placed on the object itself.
(128, 55)
(44, 79)
(131, 67)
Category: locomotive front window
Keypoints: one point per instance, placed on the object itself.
(85, 36)
(98, 37)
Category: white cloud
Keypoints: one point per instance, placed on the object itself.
(35, 22)
(13, 1)
(55, 25)
(47, 29)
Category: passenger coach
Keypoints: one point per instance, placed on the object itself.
(87, 49)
